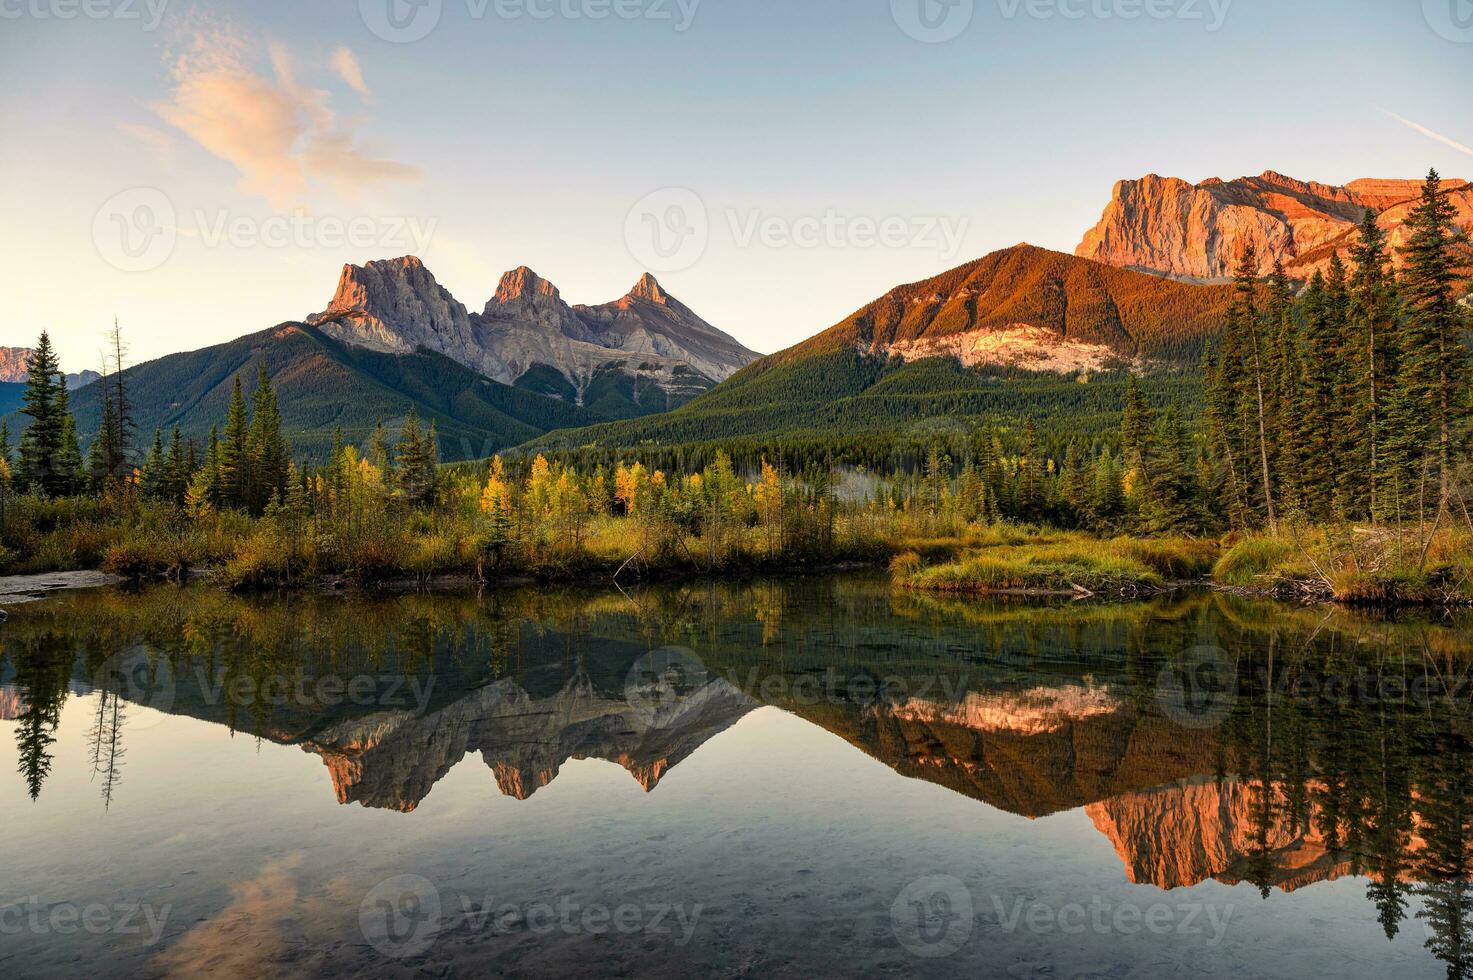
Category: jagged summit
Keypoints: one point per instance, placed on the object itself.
(528, 335)
(648, 288)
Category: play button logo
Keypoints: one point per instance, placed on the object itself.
(1451, 19)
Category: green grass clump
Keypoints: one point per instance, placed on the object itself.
(1253, 562)
(1063, 566)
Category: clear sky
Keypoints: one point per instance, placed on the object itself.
(203, 170)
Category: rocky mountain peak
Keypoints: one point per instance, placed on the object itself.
(648, 288)
(522, 284)
(394, 305)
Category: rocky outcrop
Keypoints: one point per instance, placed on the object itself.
(15, 367)
(1181, 834)
(397, 306)
(391, 760)
(1169, 227)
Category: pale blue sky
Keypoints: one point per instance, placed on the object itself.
(529, 140)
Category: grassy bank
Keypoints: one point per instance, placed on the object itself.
(1060, 563)
(1357, 565)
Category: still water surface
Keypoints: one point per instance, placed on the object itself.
(792, 778)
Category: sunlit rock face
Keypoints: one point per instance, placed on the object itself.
(391, 760)
(12, 705)
(1233, 830)
(15, 367)
(1032, 751)
(397, 306)
(1170, 227)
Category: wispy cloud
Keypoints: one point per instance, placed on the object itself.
(345, 63)
(278, 132)
(159, 143)
(1430, 133)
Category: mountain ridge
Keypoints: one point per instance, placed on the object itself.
(526, 329)
(1170, 227)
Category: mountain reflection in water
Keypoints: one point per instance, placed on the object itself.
(1206, 737)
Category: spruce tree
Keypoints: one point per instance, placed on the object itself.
(1434, 375)
(1244, 321)
(176, 468)
(234, 487)
(153, 478)
(267, 449)
(1371, 359)
(41, 445)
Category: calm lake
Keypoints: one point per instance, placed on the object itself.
(804, 777)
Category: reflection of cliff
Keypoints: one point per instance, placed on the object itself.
(12, 705)
(1032, 752)
(1181, 834)
(393, 759)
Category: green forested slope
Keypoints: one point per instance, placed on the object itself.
(322, 384)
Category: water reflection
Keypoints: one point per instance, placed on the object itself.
(1207, 737)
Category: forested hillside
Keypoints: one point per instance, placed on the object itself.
(324, 385)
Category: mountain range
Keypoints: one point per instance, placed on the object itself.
(1003, 338)
(994, 339)
(1195, 232)
(392, 339)
(643, 352)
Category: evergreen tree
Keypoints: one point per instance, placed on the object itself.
(1371, 360)
(153, 478)
(1244, 321)
(1030, 476)
(417, 460)
(177, 468)
(268, 455)
(41, 466)
(234, 488)
(1434, 373)
(1174, 503)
